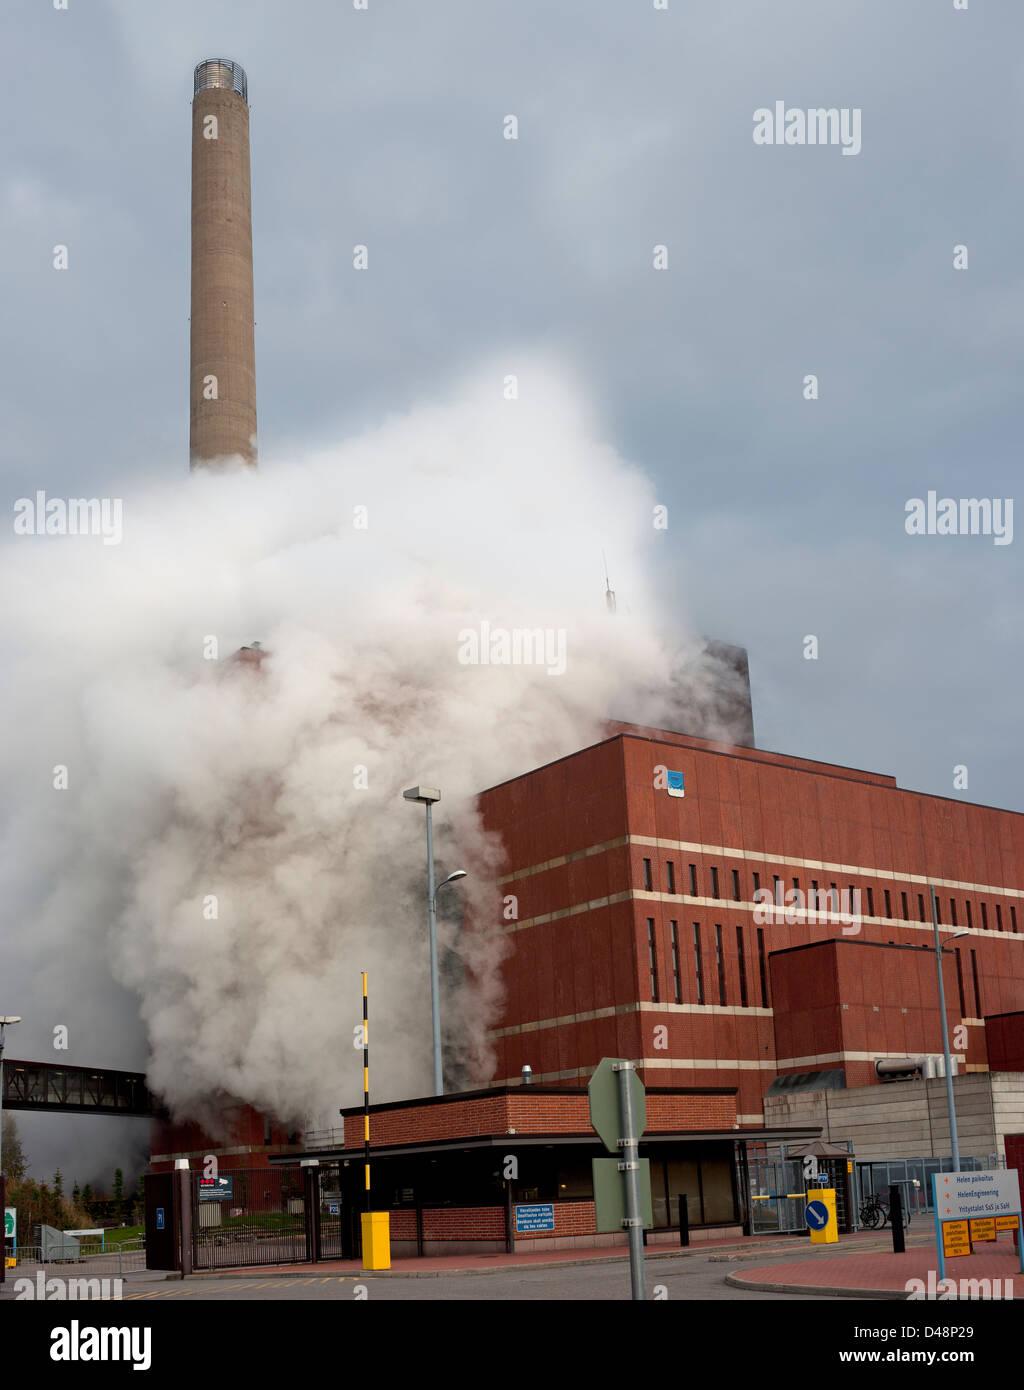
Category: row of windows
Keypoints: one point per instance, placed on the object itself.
(704, 987)
(702, 984)
(846, 898)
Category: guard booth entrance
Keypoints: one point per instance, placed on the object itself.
(779, 1179)
(292, 1214)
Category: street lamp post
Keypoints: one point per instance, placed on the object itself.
(5, 1020)
(428, 795)
(953, 1137)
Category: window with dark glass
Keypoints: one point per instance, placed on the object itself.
(698, 962)
(693, 880)
(743, 967)
(720, 963)
(714, 883)
(653, 959)
(670, 872)
(676, 986)
(762, 968)
(648, 881)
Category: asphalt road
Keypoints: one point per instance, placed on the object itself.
(685, 1277)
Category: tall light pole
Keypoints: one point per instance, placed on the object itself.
(428, 795)
(953, 1137)
(5, 1019)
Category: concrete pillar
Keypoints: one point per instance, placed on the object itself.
(222, 417)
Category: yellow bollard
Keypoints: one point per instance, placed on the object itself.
(829, 1233)
(376, 1239)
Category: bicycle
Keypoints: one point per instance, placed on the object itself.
(875, 1213)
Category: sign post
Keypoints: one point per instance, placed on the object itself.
(618, 1111)
(965, 1202)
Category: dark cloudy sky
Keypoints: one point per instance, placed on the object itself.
(384, 127)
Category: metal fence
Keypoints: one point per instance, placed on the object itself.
(118, 1260)
(915, 1177)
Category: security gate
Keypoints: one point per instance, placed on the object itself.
(777, 1200)
(255, 1216)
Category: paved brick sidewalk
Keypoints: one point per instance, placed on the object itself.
(434, 1265)
(880, 1274)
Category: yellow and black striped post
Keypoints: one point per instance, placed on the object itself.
(366, 1095)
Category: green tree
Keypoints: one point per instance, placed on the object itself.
(76, 1193)
(15, 1164)
(118, 1189)
(58, 1185)
(87, 1197)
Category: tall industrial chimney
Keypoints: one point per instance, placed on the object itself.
(222, 413)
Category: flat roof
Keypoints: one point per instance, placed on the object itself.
(520, 1089)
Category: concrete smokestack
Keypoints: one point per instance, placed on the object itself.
(222, 417)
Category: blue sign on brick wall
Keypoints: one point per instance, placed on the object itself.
(675, 783)
(539, 1216)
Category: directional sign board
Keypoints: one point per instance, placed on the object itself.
(816, 1215)
(974, 1206)
(604, 1103)
(10, 1222)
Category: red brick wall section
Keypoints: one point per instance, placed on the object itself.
(463, 1223)
(571, 1219)
(529, 1114)
(1015, 1158)
(460, 1119)
(1005, 1038)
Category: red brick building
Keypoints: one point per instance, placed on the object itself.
(634, 929)
(737, 922)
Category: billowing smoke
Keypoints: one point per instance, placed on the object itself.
(232, 846)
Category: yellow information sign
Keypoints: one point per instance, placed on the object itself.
(983, 1228)
(1007, 1223)
(956, 1238)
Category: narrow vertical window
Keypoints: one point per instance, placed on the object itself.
(714, 883)
(777, 890)
(984, 917)
(977, 993)
(762, 968)
(906, 910)
(698, 962)
(720, 963)
(920, 906)
(960, 982)
(676, 986)
(888, 903)
(653, 959)
(967, 904)
(648, 881)
(693, 880)
(670, 870)
(757, 883)
(999, 917)
(736, 885)
(952, 911)
(871, 903)
(938, 911)
(1013, 917)
(743, 967)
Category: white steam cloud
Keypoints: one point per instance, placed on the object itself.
(191, 779)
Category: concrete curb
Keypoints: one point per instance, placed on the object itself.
(829, 1291)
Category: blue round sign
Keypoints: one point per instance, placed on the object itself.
(816, 1215)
